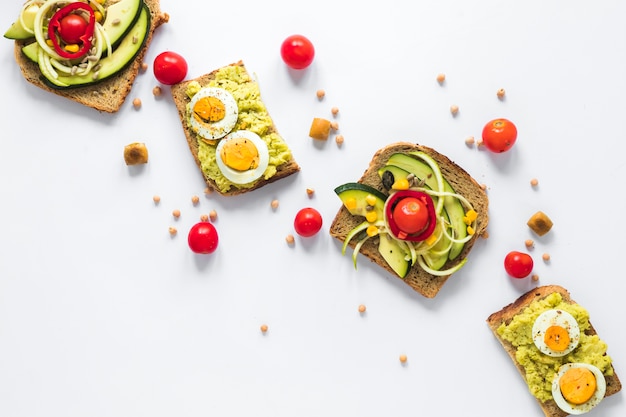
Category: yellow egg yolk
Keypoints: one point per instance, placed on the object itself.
(557, 338)
(209, 109)
(578, 385)
(240, 154)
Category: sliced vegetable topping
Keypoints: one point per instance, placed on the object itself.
(410, 215)
(70, 33)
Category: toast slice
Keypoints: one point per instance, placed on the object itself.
(417, 278)
(506, 315)
(109, 94)
(234, 78)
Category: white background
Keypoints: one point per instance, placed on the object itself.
(102, 313)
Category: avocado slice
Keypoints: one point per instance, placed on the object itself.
(17, 30)
(110, 65)
(120, 19)
(451, 205)
(397, 258)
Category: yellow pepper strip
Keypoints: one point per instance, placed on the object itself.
(430, 240)
(401, 184)
(371, 216)
(372, 230)
(350, 203)
(72, 48)
(470, 217)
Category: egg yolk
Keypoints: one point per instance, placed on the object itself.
(578, 385)
(240, 154)
(209, 109)
(557, 338)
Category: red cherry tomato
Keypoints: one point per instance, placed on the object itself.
(203, 238)
(518, 264)
(411, 215)
(308, 222)
(297, 52)
(71, 28)
(499, 135)
(169, 68)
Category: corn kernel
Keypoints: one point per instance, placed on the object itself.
(371, 216)
(401, 184)
(470, 230)
(372, 230)
(98, 15)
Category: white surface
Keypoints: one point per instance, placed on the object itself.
(103, 314)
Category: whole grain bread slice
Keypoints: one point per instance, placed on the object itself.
(419, 280)
(109, 94)
(506, 314)
(181, 99)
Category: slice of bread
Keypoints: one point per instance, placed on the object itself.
(107, 95)
(507, 313)
(181, 99)
(418, 279)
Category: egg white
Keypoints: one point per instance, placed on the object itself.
(243, 177)
(219, 129)
(555, 318)
(578, 408)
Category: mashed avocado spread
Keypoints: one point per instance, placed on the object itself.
(540, 368)
(252, 116)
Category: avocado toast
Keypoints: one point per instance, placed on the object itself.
(223, 115)
(424, 262)
(102, 75)
(511, 326)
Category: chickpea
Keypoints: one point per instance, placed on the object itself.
(274, 204)
(403, 358)
(534, 182)
(195, 200)
(264, 328)
(362, 308)
(454, 109)
(156, 199)
(173, 231)
(469, 141)
(137, 103)
(441, 78)
(334, 111)
(320, 94)
(529, 243)
(290, 239)
(339, 139)
(156, 91)
(176, 213)
(213, 215)
(501, 93)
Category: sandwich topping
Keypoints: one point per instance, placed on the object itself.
(420, 221)
(560, 360)
(78, 43)
(237, 143)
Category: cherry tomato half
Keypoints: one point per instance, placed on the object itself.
(297, 52)
(518, 264)
(72, 27)
(169, 68)
(411, 215)
(308, 222)
(499, 135)
(203, 238)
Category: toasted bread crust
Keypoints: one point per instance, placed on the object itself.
(419, 280)
(506, 314)
(106, 96)
(181, 100)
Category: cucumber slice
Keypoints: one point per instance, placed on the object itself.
(355, 196)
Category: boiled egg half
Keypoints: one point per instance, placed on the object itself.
(242, 156)
(214, 113)
(556, 332)
(578, 387)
